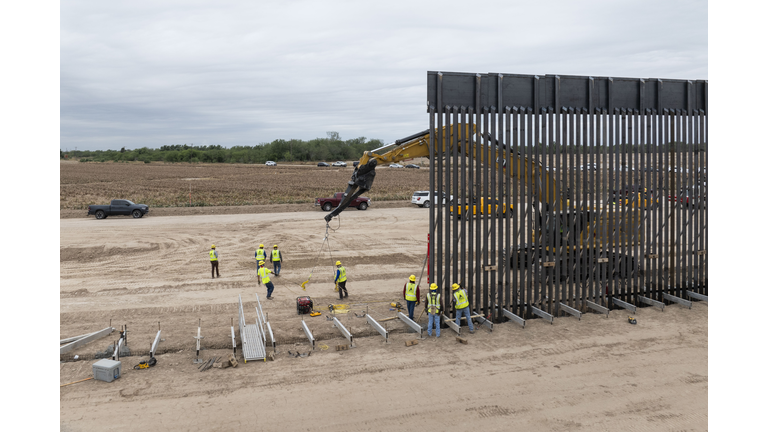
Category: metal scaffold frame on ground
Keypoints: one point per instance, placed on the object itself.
(568, 193)
(252, 337)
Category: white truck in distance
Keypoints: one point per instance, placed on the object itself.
(424, 199)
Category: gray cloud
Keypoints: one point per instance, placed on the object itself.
(241, 73)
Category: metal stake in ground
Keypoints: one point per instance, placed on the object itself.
(198, 337)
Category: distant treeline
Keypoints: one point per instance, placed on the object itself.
(331, 148)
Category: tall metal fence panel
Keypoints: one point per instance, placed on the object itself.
(567, 191)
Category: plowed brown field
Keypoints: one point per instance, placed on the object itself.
(170, 185)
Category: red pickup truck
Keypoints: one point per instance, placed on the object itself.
(327, 204)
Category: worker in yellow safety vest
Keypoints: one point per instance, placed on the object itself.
(214, 260)
(261, 254)
(264, 277)
(460, 302)
(411, 295)
(341, 280)
(277, 260)
(433, 309)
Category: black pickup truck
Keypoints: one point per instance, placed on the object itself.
(118, 207)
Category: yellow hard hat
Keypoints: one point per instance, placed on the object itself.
(261, 263)
(338, 262)
(455, 286)
(412, 278)
(433, 287)
(261, 245)
(213, 246)
(275, 246)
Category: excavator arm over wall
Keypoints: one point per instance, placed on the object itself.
(418, 145)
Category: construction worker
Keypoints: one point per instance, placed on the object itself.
(460, 302)
(214, 260)
(341, 280)
(411, 295)
(277, 260)
(433, 308)
(264, 277)
(261, 254)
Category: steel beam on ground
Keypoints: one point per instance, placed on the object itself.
(153, 350)
(452, 324)
(651, 302)
(697, 296)
(411, 323)
(483, 321)
(344, 331)
(308, 333)
(512, 317)
(597, 307)
(74, 338)
(271, 337)
(567, 309)
(630, 307)
(85, 339)
(670, 297)
(379, 328)
(542, 314)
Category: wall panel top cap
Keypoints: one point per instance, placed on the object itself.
(559, 92)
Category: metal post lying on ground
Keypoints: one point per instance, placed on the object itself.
(697, 296)
(378, 327)
(512, 317)
(598, 308)
(678, 300)
(483, 321)
(308, 333)
(542, 314)
(411, 323)
(84, 339)
(567, 309)
(651, 302)
(343, 330)
(630, 307)
(452, 325)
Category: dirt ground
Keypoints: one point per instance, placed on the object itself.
(598, 373)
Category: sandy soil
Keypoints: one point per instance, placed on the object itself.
(599, 373)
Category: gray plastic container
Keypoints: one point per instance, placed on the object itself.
(107, 370)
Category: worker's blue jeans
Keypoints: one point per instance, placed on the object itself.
(433, 319)
(465, 311)
(276, 265)
(270, 288)
(411, 306)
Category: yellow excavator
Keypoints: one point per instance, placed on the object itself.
(593, 229)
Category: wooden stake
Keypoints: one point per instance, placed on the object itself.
(75, 382)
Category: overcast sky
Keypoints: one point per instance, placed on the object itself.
(148, 73)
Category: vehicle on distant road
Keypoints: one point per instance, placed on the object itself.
(355, 163)
(327, 204)
(322, 164)
(118, 207)
(339, 164)
(412, 166)
(271, 163)
(423, 199)
(690, 198)
(395, 165)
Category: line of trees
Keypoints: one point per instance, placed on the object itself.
(331, 148)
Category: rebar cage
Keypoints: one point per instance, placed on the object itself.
(566, 189)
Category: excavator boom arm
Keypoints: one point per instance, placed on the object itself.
(418, 145)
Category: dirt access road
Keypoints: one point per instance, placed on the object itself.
(597, 374)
